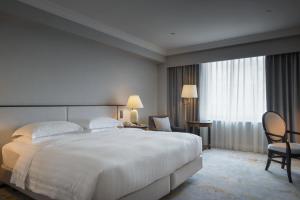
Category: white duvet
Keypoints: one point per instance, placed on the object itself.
(105, 165)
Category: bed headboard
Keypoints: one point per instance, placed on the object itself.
(13, 117)
(81, 114)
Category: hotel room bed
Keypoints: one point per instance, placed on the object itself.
(108, 164)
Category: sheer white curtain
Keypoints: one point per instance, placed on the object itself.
(233, 95)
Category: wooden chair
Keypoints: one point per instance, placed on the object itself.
(152, 127)
(278, 142)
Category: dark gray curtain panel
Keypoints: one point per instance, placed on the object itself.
(177, 77)
(283, 87)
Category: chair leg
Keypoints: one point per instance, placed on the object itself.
(283, 162)
(288, 165)
(269, 160)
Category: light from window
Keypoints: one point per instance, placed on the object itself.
(233, 90)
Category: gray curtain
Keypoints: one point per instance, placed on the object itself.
(177, 77)
(283, 88)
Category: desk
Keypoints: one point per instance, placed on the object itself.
(192, 125)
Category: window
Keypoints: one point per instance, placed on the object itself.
(233, 90)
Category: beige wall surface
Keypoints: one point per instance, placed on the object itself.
(43, 65)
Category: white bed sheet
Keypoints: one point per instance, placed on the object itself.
(104, 165)
(11, 151)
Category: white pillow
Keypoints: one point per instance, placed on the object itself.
(102, 130)
(162, 124)
(104, 122)
(44, 129)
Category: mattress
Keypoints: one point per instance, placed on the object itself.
(154, 191)
(114, 162)
(10, 155)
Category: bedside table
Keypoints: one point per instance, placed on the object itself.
(144, 127)
(191, 125)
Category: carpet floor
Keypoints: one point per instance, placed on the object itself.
(234, 175)
(230, 175)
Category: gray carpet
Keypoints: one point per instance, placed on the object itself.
(235, 175)
(229, 175)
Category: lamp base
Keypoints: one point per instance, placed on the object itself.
(134, 116)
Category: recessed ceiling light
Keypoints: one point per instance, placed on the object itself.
(172, 33)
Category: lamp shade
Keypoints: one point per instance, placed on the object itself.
(134, 102)
(189, 91)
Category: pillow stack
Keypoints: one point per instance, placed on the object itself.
(45, 129)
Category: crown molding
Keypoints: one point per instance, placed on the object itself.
(70, 21)
(236, 41)
(71, 15)
(101, 32)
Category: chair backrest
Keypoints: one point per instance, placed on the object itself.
(151, 123)
(274, 126)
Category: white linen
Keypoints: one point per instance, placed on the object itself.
(44, 129)
(162, 124)
(104, 122)
(106, 165)
(233, 96)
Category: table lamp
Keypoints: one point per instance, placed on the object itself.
(134, 102)
(188, 92)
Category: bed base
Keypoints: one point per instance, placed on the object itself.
(154, 191)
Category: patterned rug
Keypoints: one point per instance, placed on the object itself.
(229, 175)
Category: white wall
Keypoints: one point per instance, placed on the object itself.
(284, 45)
(42, 65)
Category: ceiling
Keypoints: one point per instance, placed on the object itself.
(178, 26)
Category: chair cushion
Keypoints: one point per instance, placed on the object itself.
(162, 124)
(281, 147)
